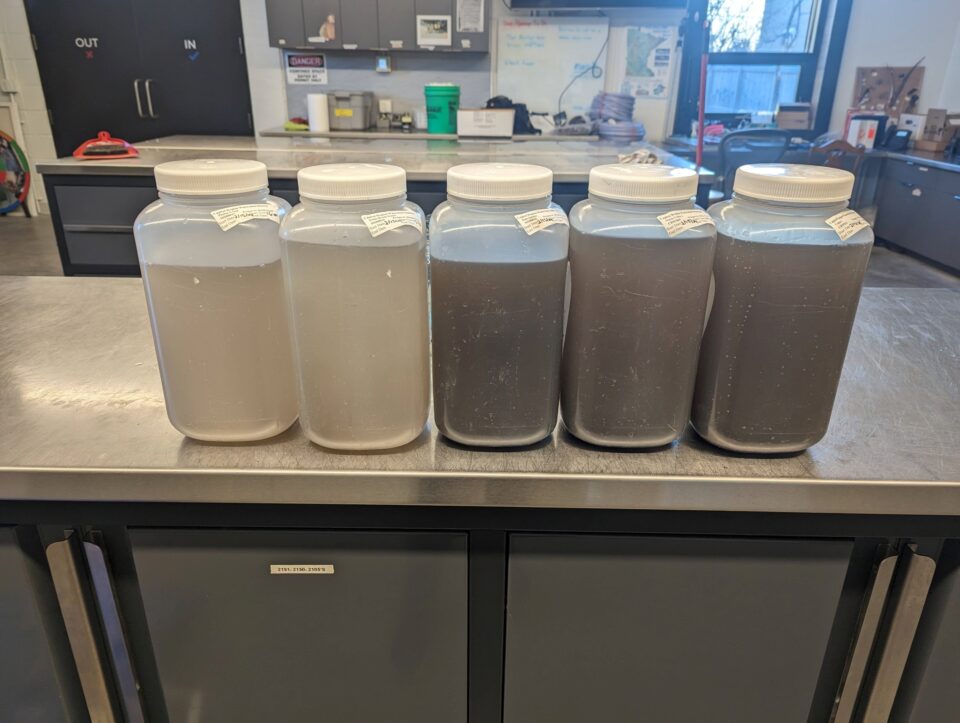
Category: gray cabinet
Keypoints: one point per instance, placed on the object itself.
(285, 25)
(94, 224)
(929, 691)
(378, 634)
(375, 24)
(359, 24)
(323, 23)
(609, 628)
(397, 27)
(29, 691)
(918, 209)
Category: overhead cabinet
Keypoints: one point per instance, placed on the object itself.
(141, 69)
(380, 24)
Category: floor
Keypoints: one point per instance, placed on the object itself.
(28, 248)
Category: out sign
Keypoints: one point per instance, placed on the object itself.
(86, 42)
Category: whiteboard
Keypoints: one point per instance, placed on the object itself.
(537, 57)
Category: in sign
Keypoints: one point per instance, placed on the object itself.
(190, 44)
(86, 42)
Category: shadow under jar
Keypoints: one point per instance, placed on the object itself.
(789, 269)
(498, 260)
(641, 255)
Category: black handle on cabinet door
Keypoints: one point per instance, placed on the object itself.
(859, 657)
(907, 597)
(150, 110)
(124, 676)
(136, 94)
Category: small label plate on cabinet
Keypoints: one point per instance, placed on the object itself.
(301, 569)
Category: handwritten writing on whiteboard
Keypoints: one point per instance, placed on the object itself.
(537, 57)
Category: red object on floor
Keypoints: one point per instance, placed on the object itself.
(105, 146)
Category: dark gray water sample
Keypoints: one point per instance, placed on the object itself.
(633, 333)
(497, 337)
(773, 350)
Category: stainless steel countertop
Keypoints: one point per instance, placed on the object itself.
(413, 135)
(423, 160)
(82, 419)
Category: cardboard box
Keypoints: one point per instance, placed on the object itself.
(794, 116)
(863, 132)
(485, 122)
(936, 122)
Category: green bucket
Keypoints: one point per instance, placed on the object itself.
(443, 101)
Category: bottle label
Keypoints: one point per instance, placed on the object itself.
(232, 216)
(533, 221)
(847, 223)
(676, 222)
(379, 223)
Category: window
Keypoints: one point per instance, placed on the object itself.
(748, 88)
(760, 54)
(774, 26)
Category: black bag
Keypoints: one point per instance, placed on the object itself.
(521, 118)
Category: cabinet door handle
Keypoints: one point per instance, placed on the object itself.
(908, 595)
(150, 99)
(136, 94)
(870, 618)
(78, 618)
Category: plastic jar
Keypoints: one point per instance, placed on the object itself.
(498, 250)
(354, 254)
(641, 255)
(210, 260)
(789, 267)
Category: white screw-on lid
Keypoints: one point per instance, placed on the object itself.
(351, 182)
(793, 182)
(643, 183)
(210, 176)
(499, 182)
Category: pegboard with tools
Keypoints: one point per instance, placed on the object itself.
(883, 89)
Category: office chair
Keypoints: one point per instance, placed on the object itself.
(759, 145)
(838, 154)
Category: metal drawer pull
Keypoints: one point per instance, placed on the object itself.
(150, 99)
(136, 94)
(78, 619)
(907, 600)
(860, 655)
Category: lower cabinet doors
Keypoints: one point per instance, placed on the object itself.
(29, 689)
(672, 630)
(267, 625)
